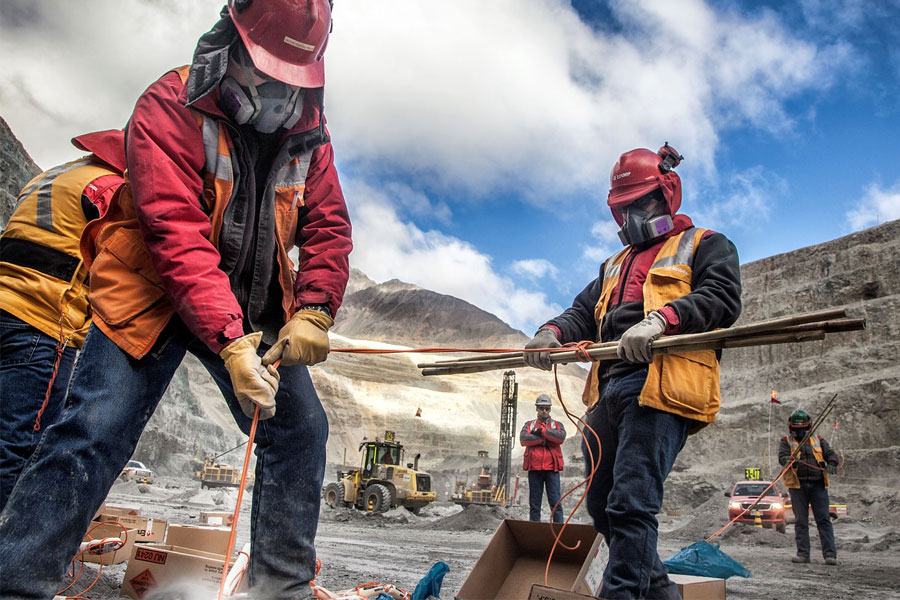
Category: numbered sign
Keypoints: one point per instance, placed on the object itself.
(752, 474)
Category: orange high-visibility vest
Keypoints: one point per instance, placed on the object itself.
(686, 383)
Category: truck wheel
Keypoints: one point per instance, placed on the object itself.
(334, 495)
(377, 498)
(780, 527)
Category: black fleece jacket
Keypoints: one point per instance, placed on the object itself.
(714, 301)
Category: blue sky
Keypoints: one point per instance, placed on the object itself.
(475, 139)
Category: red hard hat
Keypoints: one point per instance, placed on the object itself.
(639, 172)
(286, 39)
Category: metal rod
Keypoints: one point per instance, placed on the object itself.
(609, 353)
(790, 325)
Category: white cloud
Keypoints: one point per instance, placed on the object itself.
(387, 247)
(741, 200)
(474, 96)
(877, 206)
(545, 103)
(534, 268)
(606, 236)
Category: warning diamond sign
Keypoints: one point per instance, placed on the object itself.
(143, 582)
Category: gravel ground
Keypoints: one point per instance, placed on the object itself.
(400, 547)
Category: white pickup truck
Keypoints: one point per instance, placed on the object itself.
(136, 471)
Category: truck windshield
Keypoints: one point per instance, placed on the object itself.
(752, 489)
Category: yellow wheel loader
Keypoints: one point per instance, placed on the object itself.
(382, 482)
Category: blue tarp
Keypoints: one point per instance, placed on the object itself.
(430, 585)
(706, 560)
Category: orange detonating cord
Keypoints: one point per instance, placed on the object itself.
(240, 496)
(586, 482)
(79, 555)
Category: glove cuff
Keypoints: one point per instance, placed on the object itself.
(316, 317)
(249, 342)
(550, 329)
(659, 318)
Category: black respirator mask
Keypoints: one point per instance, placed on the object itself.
(265, 107)
(799, 433)
(641, 226)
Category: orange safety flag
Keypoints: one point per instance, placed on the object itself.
(774, 398)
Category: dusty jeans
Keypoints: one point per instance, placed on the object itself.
(638, 447)
(812, 493)
(27, 357)
(110, 401)
(537, 481)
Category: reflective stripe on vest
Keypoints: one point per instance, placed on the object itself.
(41, 279)
(129, 301)
(686, 384)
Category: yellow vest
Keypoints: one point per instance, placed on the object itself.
(790, 476)
(686, 383)
(42, 277)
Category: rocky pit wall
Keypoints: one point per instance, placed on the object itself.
(859, 272)
(364, 395)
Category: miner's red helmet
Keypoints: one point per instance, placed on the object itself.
(286, 39)
(639, 172)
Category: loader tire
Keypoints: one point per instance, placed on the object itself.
(334, 495)
(377, 498)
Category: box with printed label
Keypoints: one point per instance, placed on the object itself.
(99, 531)
(217, 518)
(515, 558)
(158, 566)
(148, 528)
(198, 537)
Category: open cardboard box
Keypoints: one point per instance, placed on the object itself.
(109, 531)
(158, 566)
(197, 537)
(148, 528)
(516, 557)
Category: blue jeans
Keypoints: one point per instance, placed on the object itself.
(27, 357)
(110, 401)
(812, 494)
(537, 480)
(639, 447)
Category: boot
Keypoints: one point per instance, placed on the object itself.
(800, 558)
(831, 560)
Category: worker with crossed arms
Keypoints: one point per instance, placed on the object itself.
(543, 438)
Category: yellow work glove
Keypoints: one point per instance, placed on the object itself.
(302, 341)
(254, 385)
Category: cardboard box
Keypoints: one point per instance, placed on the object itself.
(98, 532)
(217, 518)
(121, 509)
(197, 537)
(542, 592)
(152, 566)
(515, 558)
(148, 528)
(693, 587)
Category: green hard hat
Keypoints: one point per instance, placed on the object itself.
(799, 419)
